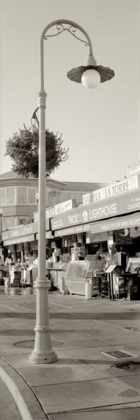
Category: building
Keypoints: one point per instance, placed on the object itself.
(18, 199)
(18, 207)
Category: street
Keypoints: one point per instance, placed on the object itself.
(85, 380)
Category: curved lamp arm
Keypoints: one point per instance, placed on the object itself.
(60, 28)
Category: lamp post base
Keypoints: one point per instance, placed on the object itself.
(43, 358)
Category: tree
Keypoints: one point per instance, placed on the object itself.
(23, 150)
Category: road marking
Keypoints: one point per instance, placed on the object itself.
(75, 330)
(11, 325)
(57, 304)
(59, 325)
(9, 307)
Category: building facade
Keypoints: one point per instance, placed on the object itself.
(18, 197)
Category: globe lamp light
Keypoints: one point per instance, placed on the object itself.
(90, 78)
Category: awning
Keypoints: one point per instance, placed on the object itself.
(116, 224)
(72, 230)
(20, 240)
(110, 269)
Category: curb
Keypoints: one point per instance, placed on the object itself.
(14, 391)
(28, 404)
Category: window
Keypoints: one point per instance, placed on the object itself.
(22, 195)
(9, 222)
(32, 196)
(53, 197)
(11, 195)
(2, 196)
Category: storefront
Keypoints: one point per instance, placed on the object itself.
(16, 241)
(22, 240)
(126, 241)
(109, 223)
(104, 231)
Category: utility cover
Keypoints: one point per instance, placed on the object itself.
(118, 354)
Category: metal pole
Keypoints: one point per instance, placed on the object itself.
(42, 352)
(0, 225)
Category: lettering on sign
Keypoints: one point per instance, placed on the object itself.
(57, 209)
(20, 231)
(72, 230)
(66, 205)
(105, 211)
(122, 223)
(113, 190)
(134, 169)
(25, 230)
(74, 219)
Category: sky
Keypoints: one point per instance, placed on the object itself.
(101, 127)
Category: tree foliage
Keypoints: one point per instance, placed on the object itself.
(23, 150)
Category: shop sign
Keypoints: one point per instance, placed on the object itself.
(57, 209)
(62, 207)
(72, 231)
(113, 190)
(122, 237)
(20, 231)
(116, 224)
(134, 169)
(23, 230)
(24, 239)
(85, 214)
(94, 238)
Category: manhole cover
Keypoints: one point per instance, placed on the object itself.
(29, 344)
(132, 365)
(117, 354)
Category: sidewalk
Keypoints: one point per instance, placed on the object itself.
(84, 383)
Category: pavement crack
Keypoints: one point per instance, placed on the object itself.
(99, 408)
(71, 382)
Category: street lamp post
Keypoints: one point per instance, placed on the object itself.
(90, 75)
(0, 225)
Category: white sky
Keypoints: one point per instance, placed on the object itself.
(101, 127)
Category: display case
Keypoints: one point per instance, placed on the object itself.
(133, 266)
(76, 275)
(79, 271)
(133, 278)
